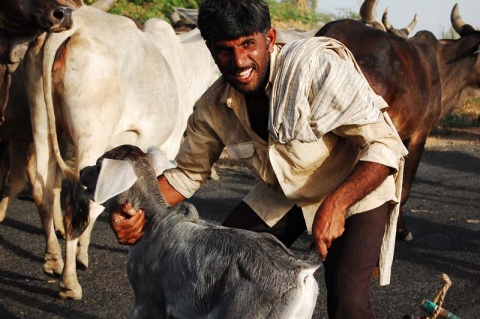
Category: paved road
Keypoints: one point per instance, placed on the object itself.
(443, 211)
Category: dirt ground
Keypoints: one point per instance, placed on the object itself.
(443, 213)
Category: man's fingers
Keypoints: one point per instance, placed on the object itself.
(323, 249)
(138, 219)
(131, 211)
(122, 222)
(131, 238)
(135, 239)
(129, 231)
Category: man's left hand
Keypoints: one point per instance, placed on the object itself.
(328, 225)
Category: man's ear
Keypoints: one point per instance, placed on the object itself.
(272, 37)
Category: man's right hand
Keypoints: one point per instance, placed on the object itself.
(127, 224)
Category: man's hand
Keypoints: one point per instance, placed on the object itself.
(328, 225)
(329, 221)
(127, 224)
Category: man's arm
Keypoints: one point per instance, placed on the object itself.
(329, 220)
(128, 224)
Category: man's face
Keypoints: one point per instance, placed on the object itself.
(244, 61)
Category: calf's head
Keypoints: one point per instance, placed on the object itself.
(123, 174)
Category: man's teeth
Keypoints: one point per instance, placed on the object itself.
(244, 74)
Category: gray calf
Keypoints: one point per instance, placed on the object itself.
(184, 267)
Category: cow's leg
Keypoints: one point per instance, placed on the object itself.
(43, 180)
(4, 169)
(415, 151)
(57, 209)
(84, 240)
(43, 196)
(17, 177)
(70, 287)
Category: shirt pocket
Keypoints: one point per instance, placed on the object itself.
(312, 154)
(241, 150)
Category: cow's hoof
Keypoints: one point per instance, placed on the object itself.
(70, 287)
(404, 234)
(3, 209)
(53, 266)
(74, 294)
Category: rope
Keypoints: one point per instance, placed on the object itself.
(440, 296)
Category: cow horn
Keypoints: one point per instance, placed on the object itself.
(457, 23)
(104, 5)
(410, 27)
(385, 22)
(367, 10)
(456, 19)
(368, 14)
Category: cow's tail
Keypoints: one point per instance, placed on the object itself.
(52, 44)
(77, 210)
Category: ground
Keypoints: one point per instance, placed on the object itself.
(443, 213)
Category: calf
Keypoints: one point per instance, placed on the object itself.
(184, 267)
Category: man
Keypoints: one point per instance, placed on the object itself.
(305, 121)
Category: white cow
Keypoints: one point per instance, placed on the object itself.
(102, 84)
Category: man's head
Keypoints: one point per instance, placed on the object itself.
(231, 19)
(240, 38)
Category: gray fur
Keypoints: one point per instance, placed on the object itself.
(184, 267)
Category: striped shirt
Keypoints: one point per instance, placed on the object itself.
(319, 87)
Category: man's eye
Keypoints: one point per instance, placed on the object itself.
(222, 51)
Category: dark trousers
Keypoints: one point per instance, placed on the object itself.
(351, 259)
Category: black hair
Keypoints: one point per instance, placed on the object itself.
(231, 19)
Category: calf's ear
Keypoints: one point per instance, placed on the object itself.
(115, 177)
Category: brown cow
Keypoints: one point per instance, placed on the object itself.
(20, 23)
(421, 78)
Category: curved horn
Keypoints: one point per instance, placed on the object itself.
(368, 14)
(104, 5)
(385, 22)
(456, 19)
(457, 23)
(410, 27)
(367, 10)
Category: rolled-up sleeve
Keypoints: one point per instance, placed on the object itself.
(199, 151)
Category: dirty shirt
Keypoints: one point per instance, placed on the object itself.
(323, 118)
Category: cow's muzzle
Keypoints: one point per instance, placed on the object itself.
(61, 18)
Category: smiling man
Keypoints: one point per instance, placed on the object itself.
(304, 120)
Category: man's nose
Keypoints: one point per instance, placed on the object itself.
(240, 57)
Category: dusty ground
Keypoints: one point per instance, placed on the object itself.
(443, 213)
